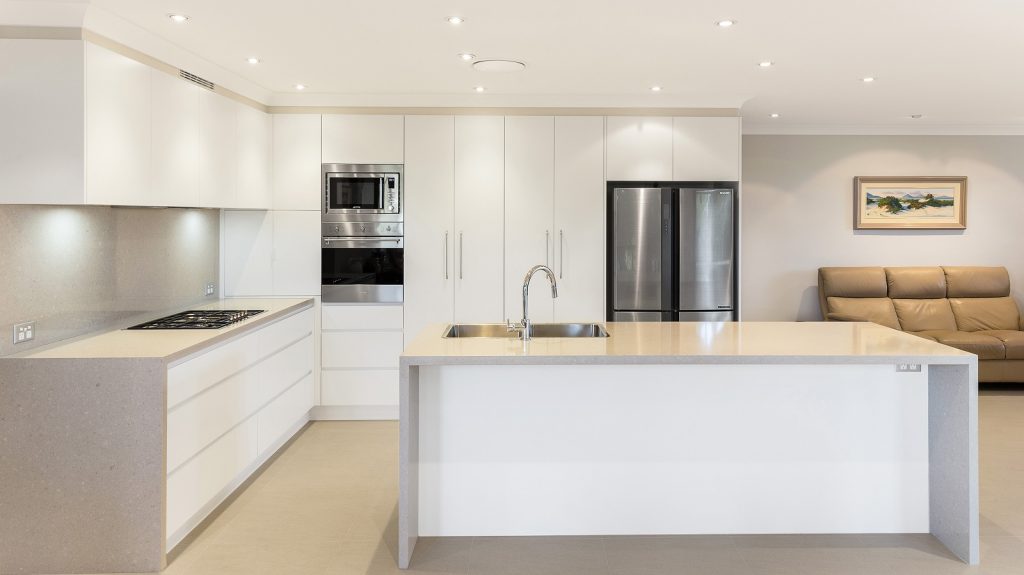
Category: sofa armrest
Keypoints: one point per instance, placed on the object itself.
(844, 317)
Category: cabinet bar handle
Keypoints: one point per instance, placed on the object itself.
(461, 255)
(446, 254)
(561, 253)
(547, 247)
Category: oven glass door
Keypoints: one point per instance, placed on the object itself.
(355, 192)
(362, 261)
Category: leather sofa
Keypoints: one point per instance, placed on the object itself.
(968, 308)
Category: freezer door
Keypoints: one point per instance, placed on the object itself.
(637, 248)
(706, 264)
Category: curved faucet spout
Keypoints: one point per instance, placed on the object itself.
(525, 323)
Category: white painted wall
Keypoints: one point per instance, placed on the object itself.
(797, 212)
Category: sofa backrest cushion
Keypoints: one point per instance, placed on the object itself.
(875, 309)
(965, 281)
(985, 313)
(925, 314)
(852, 282)
(916, 283)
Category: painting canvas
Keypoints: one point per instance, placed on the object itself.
(916, 203)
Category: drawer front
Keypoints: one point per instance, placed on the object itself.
(288, 409)
(200, 480)
(362, 317)
(194, 424)
(285, 368)
(359, 387)
(193, 376)
(361, 349)
(284, 332)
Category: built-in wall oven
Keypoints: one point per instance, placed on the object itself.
(363, 245)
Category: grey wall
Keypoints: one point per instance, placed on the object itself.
(797, 212)
(73, 270)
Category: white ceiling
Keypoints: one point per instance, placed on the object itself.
(953, 61)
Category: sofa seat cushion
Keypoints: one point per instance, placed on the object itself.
(923, 334)
(985, 313)
(1013, 341)
(925, 314)
(983, 346)
(875, 309)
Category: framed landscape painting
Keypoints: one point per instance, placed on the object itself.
(923, 203)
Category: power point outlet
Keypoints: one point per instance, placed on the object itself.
(211, 288)
(24, 332)
(908, 367)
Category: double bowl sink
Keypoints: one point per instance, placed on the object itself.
(536, 330)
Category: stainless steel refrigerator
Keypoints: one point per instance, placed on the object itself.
(672, 253)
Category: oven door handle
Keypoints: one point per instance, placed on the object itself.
(375, 242)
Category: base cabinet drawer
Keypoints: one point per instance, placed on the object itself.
(359, 387)
(284, 412)
(198, 482)
(361, 317)
(362, 349)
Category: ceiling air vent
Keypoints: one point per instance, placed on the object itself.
(196, 79)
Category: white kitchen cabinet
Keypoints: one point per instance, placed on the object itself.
(580, 219)
(360, 349)
(430, 233)
(254, 160)
(639, 148)
(271, 253)
(529, 212)
(229, 409)
(479, 217)
(175, 152)
(296, 259)
(248, 253)
(42, 107)
(706, 149)
(218, 151)
(297, 162)
(118, 136)
(363, 139)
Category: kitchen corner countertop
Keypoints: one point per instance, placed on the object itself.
(692, 342)
(169, 345)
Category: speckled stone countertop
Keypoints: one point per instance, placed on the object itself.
(169, 345)
(693, 342)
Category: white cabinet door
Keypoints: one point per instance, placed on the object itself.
(248, 253)
(706, 149)
(218, 150)
(363, 139)
(297, 162)
(254, 158)
(429, 229)
(117, 135)
(175, 155)
(479, 213)
(639, 148)
(579, 218)
(529, 211)
(42, 122)
(296, 253)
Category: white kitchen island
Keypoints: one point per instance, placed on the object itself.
(689, 428)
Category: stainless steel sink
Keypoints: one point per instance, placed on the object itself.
(537, 330)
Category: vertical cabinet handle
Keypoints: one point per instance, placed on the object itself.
(561, 253)
(547, 248)
(461, 254)
(446, 254)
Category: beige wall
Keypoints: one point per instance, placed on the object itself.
(73, 270)
(797, 212)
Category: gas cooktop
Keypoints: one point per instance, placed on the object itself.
(200, 319)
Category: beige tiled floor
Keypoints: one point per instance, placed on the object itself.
(328, 506)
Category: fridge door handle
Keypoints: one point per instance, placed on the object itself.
(547, 248)
(446, 254)
(561, 254)
(461, 255)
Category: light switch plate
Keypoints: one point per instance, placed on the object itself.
(24, 332)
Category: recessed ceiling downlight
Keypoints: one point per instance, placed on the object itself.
(253, 60)
(498, 66)
(774, 115)
(655, 88)
(479, 88)
(725, 23)
(178, 18)
(300, 87)
(456, 20)
(466, 56)
(868, 79)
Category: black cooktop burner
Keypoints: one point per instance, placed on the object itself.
(200, 319)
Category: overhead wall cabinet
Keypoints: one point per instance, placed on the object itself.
(639, 148)
(363, 139)
(86, 125)
(297, 162)
(679, 148)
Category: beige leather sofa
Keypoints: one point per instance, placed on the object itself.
(968, 308)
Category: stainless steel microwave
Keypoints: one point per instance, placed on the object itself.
(362, 192)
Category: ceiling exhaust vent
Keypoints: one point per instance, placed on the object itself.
(196, 79)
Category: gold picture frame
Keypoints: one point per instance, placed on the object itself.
(918, 203)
